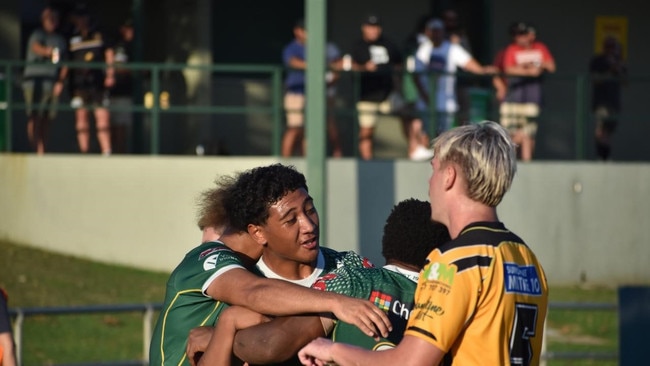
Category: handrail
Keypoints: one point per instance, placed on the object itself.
(149, 308)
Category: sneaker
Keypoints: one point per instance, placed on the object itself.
(421, 153)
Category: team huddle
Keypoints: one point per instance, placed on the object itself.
(457, 286)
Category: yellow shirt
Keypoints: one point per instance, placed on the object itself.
(482, 298)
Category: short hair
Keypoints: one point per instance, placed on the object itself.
(410, 234)
(485, 155)
(212, 212)
(255, 190)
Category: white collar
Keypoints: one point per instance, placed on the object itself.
(305, 282)
(413, 276)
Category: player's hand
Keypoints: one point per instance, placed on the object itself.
(197, 343)
(317, 352)
(58, 88)
(109, 81)
(371, 66)
(364, 315)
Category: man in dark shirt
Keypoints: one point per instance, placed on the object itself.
(379, 59)
(607, 68)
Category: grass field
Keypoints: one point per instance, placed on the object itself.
(35, 278)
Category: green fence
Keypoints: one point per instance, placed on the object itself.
(571, 123)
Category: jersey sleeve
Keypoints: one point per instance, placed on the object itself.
(444, 301)
(546, 54)
(509, 57)
(459, 56)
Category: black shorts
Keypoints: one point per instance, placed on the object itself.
(90, 97)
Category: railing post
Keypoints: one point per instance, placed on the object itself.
(18, 336)
(155, 110)
(276, 100)
(356, 96)
(146, 332)
(580, 116)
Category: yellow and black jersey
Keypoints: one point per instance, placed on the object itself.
(482, 299)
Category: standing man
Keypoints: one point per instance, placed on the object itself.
(525, 62)
(293, 57)
(90, 85)
(444, 57)
(607, 69)
(482, 297)
(380, 60)
(43, 78)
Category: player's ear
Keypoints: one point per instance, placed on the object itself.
(450, 175)
(257, 233)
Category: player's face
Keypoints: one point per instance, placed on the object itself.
(435, 190)
(291, 230)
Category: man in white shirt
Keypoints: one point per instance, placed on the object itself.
(442, 57)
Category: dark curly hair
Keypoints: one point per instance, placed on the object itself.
(410, 234)
(255, 190)
(212, 212)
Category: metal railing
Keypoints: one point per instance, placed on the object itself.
(148, 312)
(573, 89)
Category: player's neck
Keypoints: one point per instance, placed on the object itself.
(403, 265)
(468, 213)
(288, 269)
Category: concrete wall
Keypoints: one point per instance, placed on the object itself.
(584, 221)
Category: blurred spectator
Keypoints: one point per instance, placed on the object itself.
(499, 81)
(456, 33)
(7, 352)
(293, 57)
(43, 78)
(90, 85)
(607, 70)
(416, 136)
(442, 56)
(525, 62)
(380, 61)
(122, 92)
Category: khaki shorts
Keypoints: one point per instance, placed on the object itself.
(520, 117)
(294, 105)
(369, 112)
(39, 92)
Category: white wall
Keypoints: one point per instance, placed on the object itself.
(585, 221)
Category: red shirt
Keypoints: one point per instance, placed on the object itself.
(517, 55)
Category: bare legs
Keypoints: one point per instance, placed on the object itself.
(102, 118)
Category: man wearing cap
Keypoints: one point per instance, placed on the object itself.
(525, 61)
(379, 59)
(443, 57)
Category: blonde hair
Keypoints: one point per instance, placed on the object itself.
(212, 212)
(485, 155)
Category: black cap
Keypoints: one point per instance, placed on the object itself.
(518, 28)
(372, 19)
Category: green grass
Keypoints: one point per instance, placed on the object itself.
(36, 278)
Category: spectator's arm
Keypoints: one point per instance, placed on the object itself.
(474, 67)
(500, 87)
(297, 63)
(109, 56)
(279, 339)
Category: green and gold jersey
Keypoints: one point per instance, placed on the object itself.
(390, 288)
(482, 299)
(186, 305)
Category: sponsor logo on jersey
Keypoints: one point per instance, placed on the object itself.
(321, 283)
(440, 272)
(425, 310)
(387, 303)
(521, 279)
(367, 263)
(211, 262)
(209, 251)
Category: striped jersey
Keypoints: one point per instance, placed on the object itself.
(482, 299)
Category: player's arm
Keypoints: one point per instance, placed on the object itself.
(39, 47)
(219, 349)
(297, 63)
(109, 56)
(279, 339)
(275, 297)
(411, 351)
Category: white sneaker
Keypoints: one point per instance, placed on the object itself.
(421, 153)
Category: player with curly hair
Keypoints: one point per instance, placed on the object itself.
(409, 236)
(268, 210)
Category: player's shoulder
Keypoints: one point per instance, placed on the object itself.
(489, 234)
